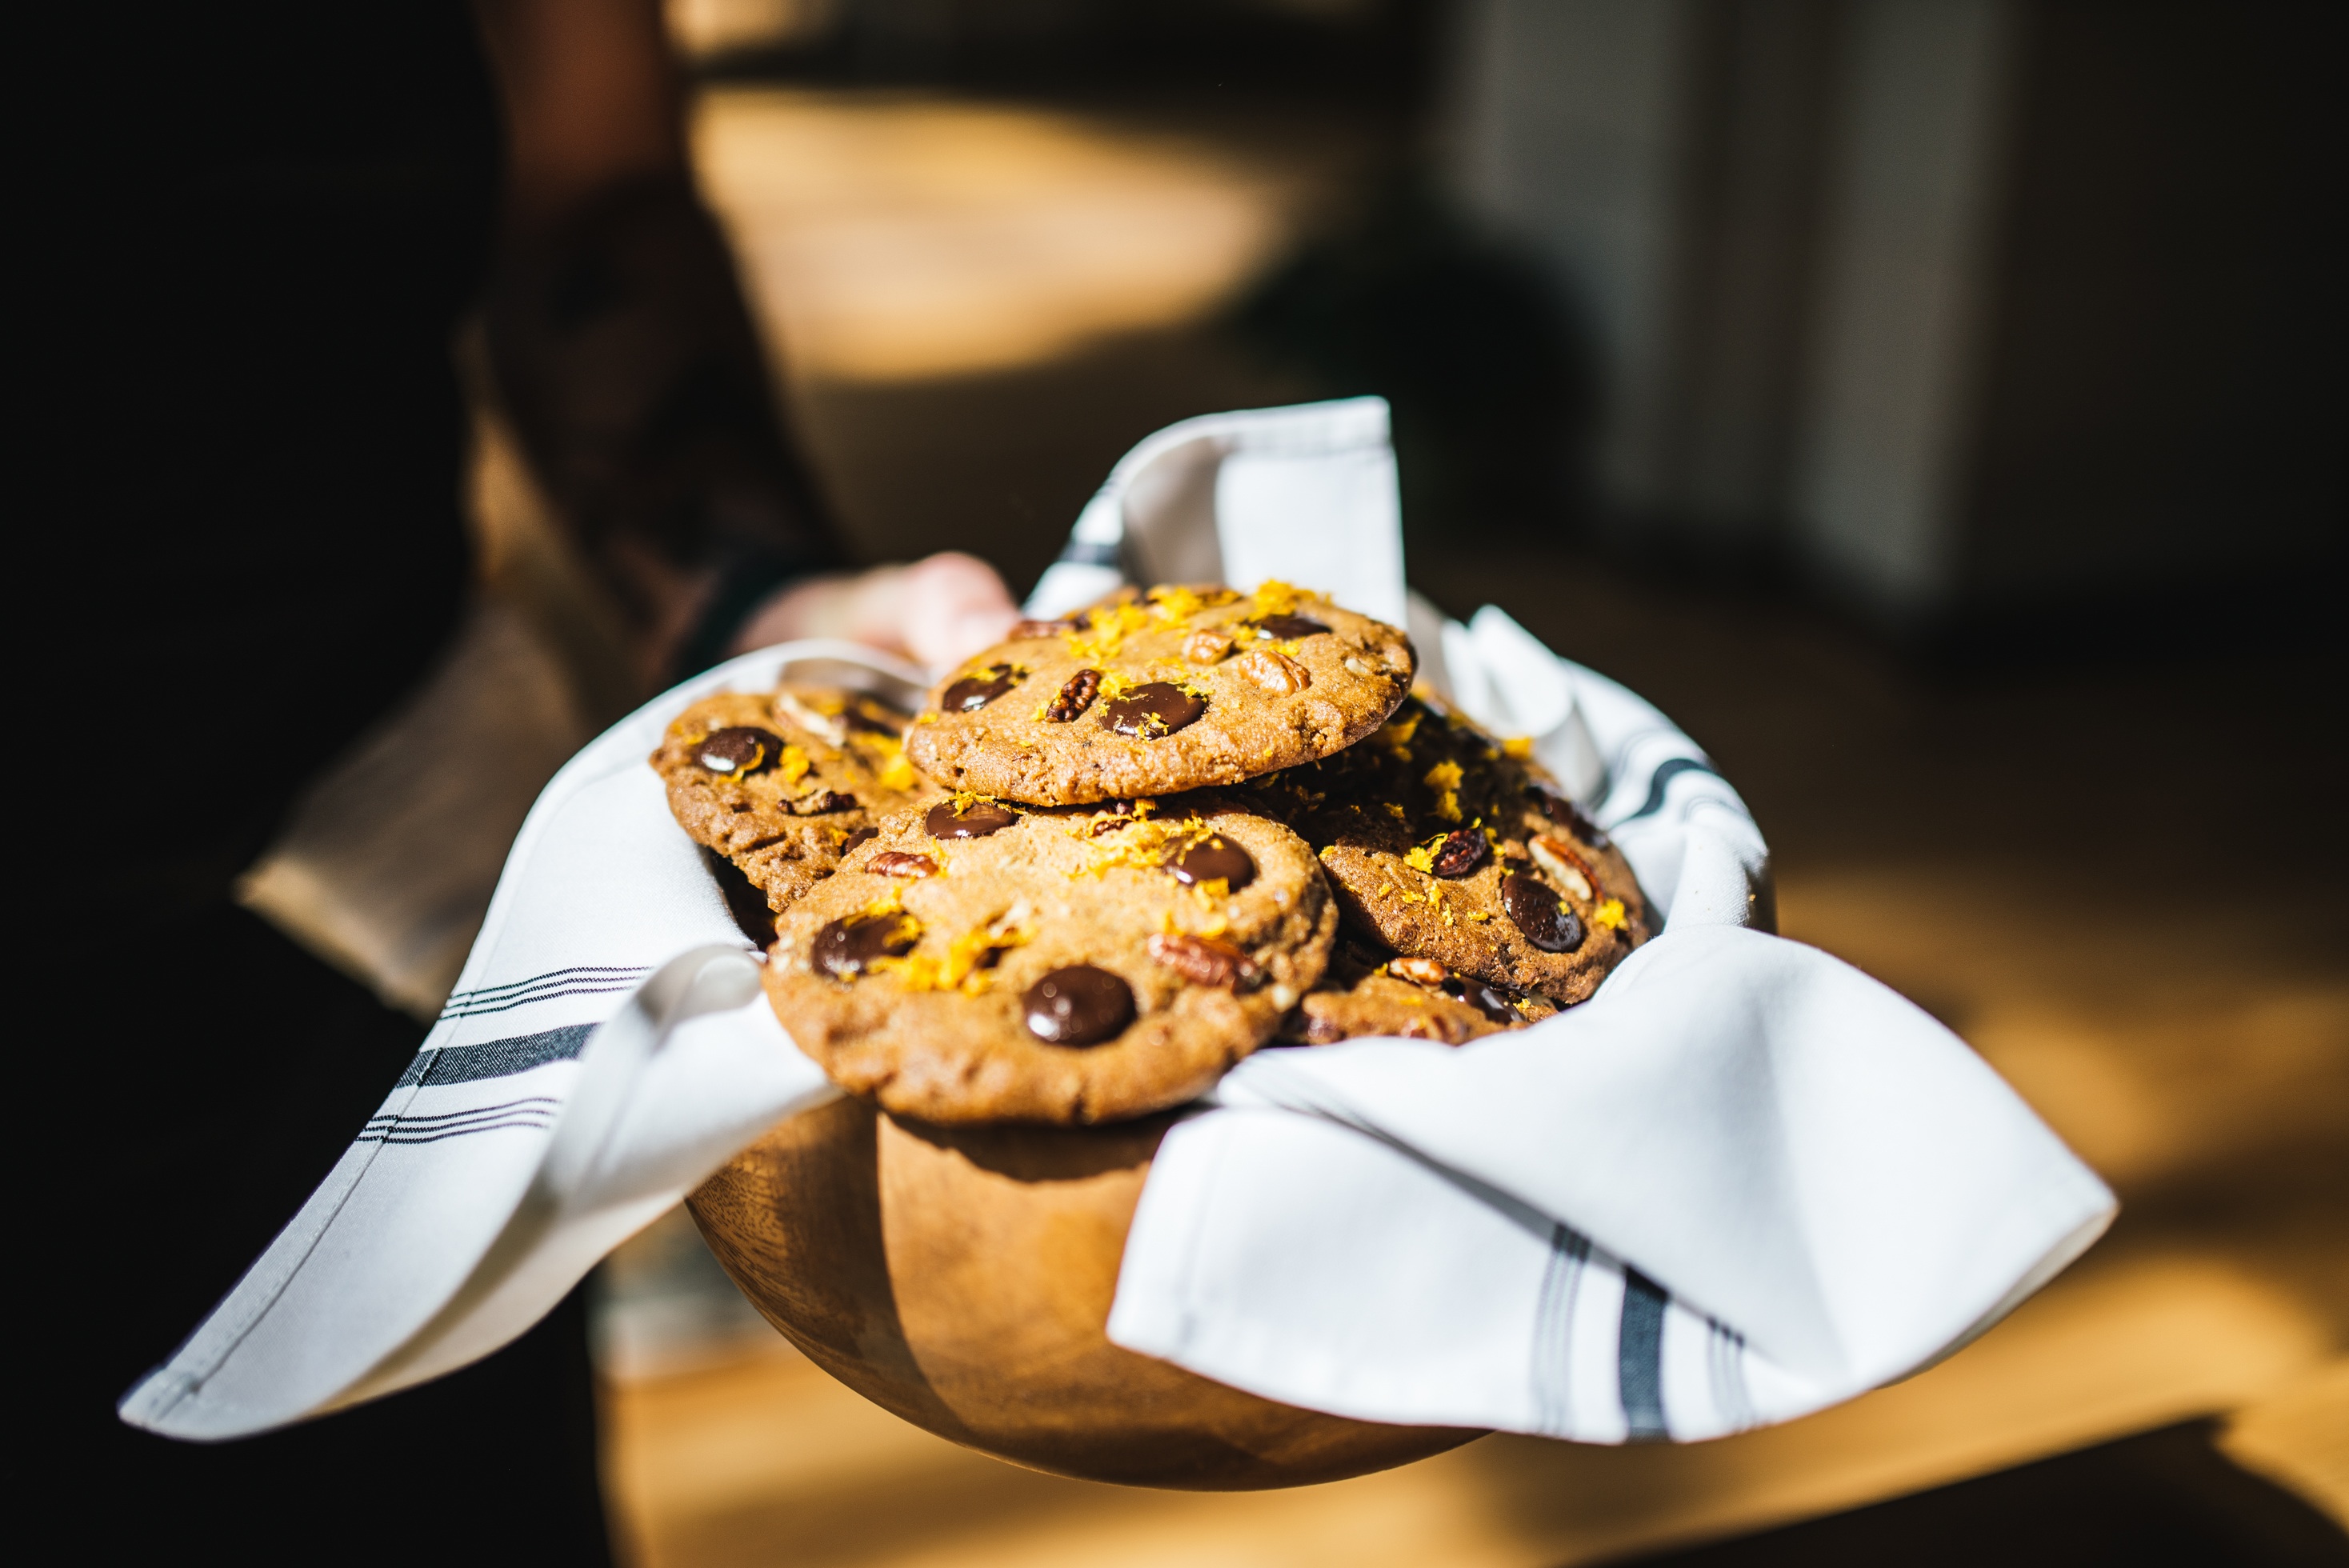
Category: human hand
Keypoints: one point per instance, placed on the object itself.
(937, 611)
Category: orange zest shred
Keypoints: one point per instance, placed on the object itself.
(1175, 605)
(1274, 597)
(964, 968)
(1106, 631)
(1445, 778)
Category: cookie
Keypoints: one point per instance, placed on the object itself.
(1443, 842)
(782, 783)
(1367, 991)
(979, 963)
(1155, 694)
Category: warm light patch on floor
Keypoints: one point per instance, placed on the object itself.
(890, 237)
(771, 1461)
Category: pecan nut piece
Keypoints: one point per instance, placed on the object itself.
(1206, 962)
(1075, 696)
(1276, 672)
(1206, 647)
(902, 864)
(1565, 865)
(1424, 972)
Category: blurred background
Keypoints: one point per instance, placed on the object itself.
(1934, 405)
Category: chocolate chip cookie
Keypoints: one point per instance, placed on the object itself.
(1368, 991)
(783, 782)
(1153, 694)
(1444, 843)
(979, 962)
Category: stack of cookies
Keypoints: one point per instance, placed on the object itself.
(1120, 851)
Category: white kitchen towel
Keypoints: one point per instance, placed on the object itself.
(1742, 1181)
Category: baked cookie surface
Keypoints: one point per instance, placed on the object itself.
(782, 783)
(1177, 689)
(978, 963)
(1367, 991)
(1442, 844)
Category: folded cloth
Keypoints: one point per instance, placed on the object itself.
(1743, 1182)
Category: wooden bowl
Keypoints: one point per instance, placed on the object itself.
(961, 1278)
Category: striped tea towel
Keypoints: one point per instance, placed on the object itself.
(1743, 1182)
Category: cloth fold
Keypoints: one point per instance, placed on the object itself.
(1742, 1181)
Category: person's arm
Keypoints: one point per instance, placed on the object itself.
(627, 360)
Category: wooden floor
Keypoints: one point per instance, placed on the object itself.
(2105, 878)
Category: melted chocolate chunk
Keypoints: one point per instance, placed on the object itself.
(1288, 628)
(1536, 910)
(861, 835)
(846, 948)
(975, 820)
(1075, 697)
(1490, 1000)
(1079, 1005)
(741, 749)
(1212, 857)
(1147, 712)
(1461, 852)
(973, 692)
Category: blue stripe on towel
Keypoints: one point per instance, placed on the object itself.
(495, 1059)
(1639, 1360)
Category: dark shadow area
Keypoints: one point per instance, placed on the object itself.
(2167, 1496)
(1490, 376)
(999, 463)
(1046, 1153)
(1374, 55)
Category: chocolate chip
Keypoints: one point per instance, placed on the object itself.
(861, 835)
(902, 864)
(741, 749)
(1027, 629)
(822, 801)
(846, 948)
(1490, 1000)
(1534, 909)
(975, 820)
(1288, 628)
(1212, 857)
(1078, 1005)
(1151, 710)
(1075, 697)
(1206, 962)
(973, 692)
(1461, 852)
